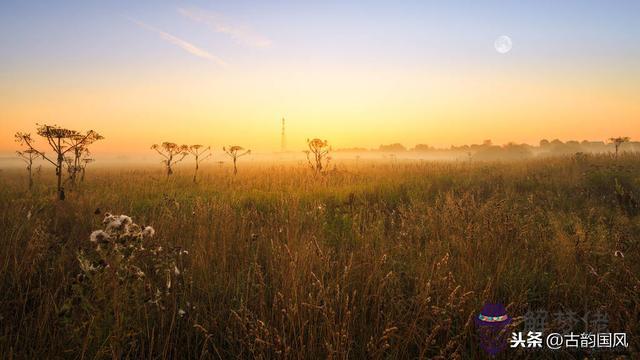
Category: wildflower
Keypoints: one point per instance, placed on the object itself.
(108, 218)
(99, 236)
(125, 220)
(111, 221)
(176, 270)
(148, 231)
(619, 254)
(181, 313)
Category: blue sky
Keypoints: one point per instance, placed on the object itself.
(403, 33)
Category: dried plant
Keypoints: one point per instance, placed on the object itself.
(618, 141)
(80, 152)
(83, 165)
(200, 153)
(123, 263)
(319, 151)
(62, 141)
(234, 152)
(28, 156)
(172, 154)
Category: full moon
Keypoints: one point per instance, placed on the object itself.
(503, 44)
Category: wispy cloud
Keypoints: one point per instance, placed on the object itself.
(240, 33)
(183, 44)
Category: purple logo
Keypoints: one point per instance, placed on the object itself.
(491, 325)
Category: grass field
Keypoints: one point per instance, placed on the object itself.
(370, 260)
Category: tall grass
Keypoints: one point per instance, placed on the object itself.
(378, 261)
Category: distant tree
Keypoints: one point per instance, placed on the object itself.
(618, 141)
(319, 151)
(397, 147)
(172, 154)
(234, 153)
(423, 147)
(487, 142)
(28, 156)
(201, 153)
(61, 141)
(544, 143)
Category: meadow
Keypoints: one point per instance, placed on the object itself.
(367, 260)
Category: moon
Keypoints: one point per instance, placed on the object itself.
(503, 44)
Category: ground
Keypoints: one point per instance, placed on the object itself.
(370, 259)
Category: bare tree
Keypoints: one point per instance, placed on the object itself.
(201, 153)
(318, 154)
(61, 141)
(234, 153)
(28, 156)
(172, 153)
(618, 141)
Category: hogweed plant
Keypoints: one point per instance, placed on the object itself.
(200, 153)
(318, 154)
(172, 154)
(28, 156)
(235, 152)
(83, 166)
(618, 141)
(62, 141)
(80, 152)
(126, 278)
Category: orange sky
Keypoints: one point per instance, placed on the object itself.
(143, 75)
(350, 107)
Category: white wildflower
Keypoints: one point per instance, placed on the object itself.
(108, 218)
(99, 236)
(148, 231)
(125, 220)
(181, 312)
(619, 254)
(176, 270)
(113, 223)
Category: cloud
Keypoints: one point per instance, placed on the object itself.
(184, 45)
(241, 34)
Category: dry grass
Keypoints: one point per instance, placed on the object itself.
(378, 261)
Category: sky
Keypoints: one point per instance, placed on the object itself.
(357, 73)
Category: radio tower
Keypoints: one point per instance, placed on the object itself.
(283, 144)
